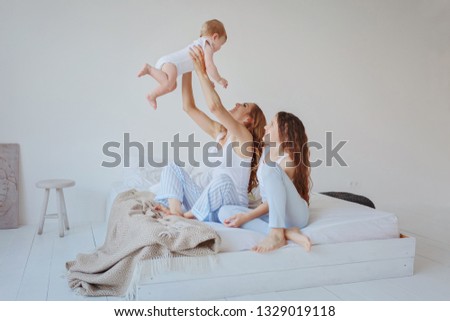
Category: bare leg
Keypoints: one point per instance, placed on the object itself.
(294, 234)
(167, 79)
(166, 211)
(174, 209)
(175, 206)
(166, 85)
(145, 70)
(159, 75)
(273, 241)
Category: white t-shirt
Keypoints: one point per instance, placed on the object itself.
(236, 167)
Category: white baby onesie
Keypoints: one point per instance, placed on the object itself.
(181, 59)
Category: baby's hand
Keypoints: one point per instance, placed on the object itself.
(223, 82)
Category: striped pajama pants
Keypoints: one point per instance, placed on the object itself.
(203, 203)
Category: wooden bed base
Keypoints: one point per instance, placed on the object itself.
(289, 268)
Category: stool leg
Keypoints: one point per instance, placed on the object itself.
(66, 220)
(43, 211)
(59, 206)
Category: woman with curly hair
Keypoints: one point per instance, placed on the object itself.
(284, 180)
(239, 131)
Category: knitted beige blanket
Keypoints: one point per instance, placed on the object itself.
(137, 234)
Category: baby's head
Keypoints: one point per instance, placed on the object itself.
(215, 30)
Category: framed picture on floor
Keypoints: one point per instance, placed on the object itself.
(9, 186)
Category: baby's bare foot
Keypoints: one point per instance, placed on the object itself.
(145, 70)
(152, 100)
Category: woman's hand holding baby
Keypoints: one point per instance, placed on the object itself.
(198, 58)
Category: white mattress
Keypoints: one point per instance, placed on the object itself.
(331, 221)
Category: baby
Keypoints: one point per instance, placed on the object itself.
(212, 37)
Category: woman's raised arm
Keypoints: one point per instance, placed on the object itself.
(213, 100)
(211, 127)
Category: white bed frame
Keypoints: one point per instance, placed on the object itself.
(246, 272)
(289, 268)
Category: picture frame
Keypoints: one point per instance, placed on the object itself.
(9, 186)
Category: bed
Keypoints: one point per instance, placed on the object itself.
(351, 243)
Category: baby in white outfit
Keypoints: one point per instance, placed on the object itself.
(212, 37)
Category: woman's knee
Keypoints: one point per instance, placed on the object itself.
(173, 165)
(170, 172)
(226, 212)
(172, 168)
(222, 182)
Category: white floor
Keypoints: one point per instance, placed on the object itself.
(32, 266)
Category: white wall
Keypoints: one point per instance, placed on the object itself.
(375, 73)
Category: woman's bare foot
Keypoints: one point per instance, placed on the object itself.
(189, 215)
(273, 241)
(145, 70)
(161, 208)
(152, 100)
(294, 234)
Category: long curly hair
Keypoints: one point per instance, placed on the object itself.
(295, 141)
(256, 128)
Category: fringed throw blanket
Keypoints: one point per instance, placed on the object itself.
(136, 234)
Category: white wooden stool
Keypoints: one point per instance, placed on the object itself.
(57, 184)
